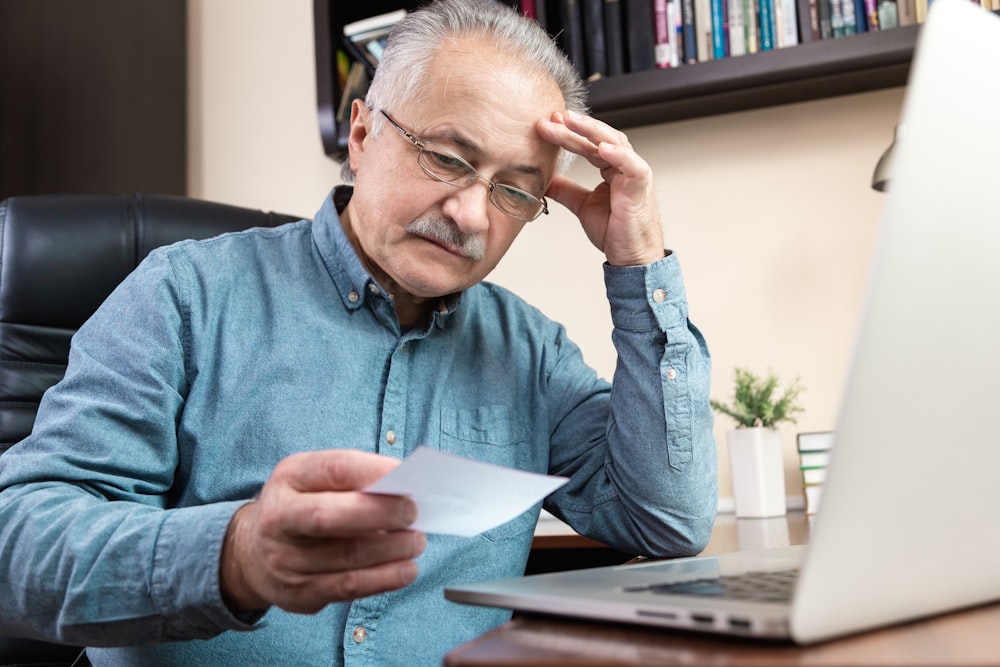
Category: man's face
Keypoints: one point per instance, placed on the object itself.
(481, 105)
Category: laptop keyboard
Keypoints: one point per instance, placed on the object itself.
(776, 586)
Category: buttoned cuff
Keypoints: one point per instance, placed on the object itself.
(647, 297)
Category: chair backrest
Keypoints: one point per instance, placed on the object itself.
(60, 257)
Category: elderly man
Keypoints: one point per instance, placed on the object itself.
(191, 493)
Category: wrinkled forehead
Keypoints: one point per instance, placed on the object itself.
(490, 97)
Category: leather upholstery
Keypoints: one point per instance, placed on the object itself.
(60, 257)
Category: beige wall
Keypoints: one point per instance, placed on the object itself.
(769, 211)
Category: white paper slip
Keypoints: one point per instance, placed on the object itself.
(459, 496)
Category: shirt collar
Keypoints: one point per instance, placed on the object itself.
(352, 279)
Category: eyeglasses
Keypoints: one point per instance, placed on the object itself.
(448, 167)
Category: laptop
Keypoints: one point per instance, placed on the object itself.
(908, 526)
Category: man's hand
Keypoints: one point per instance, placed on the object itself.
(312, 538)
(620, 216)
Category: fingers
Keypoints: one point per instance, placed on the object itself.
(334, 469)
(585, 137)
(342, 513)
(312, 537)
(314, 575)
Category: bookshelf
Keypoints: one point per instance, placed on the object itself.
(814, 70)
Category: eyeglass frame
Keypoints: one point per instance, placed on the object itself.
(474, 174)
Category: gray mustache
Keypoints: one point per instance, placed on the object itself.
(470, 245)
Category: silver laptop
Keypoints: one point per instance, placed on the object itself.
(908, 526)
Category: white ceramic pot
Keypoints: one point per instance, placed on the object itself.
(756, 459)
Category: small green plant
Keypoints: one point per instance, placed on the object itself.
(755, 402)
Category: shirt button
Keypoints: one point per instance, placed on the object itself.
(353, 297)
(671, 374)
(659, 296)
(390, 437)
(359, 635)
(373, 288)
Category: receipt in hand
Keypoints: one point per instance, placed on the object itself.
(459, 496)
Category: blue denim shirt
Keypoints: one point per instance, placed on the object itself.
(216, 359)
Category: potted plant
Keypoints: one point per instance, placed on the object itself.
(756, 454)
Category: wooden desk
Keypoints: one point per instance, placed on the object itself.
(965, 638)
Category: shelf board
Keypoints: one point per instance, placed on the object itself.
(815, 70)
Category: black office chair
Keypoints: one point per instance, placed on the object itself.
(60, 257)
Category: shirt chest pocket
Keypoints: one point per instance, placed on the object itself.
(490, 434)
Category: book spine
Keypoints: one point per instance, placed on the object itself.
(808, 17)
(572, 34)
(766, 20)
(720, 29)
(789, 23)
(677, 37)
(663, 33)
(703, 28)
(640, 34)
(541, 13)
(593, 38)
(737, 32)
(888, 16)
(850, 22)
(614, 37)
(860, 16)
(750, 26)
(837, 17)
(825, 21)
(690, 36)
(528, 8)
(871, 15)
(908, 12)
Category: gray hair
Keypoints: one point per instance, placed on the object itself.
(414, 40)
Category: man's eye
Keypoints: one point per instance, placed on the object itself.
(444, 161)
(516, 195)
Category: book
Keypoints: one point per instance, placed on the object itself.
(355, 87)
(907, 10)
(571, 35)
(365, 39)
(814, 450)
(640, 34)
(850, 22)
(837, 17)
(614, 37)
(825, 19)
(689, 36)
(808, 18)
(871, 15)
(677, 33)
(720, 28)
(664, 33)
(888, 16)
(813, 475)
(812, 494)
(542, 13)
(737, 31)
(703, 29)
(750, 26)
(765, 9)
(593, 42)
(789, 23)
(528, 9)
(860, 14)
(815, 441)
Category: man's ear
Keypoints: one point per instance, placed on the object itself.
(358, 133)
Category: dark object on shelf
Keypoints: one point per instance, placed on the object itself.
(814, 70)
